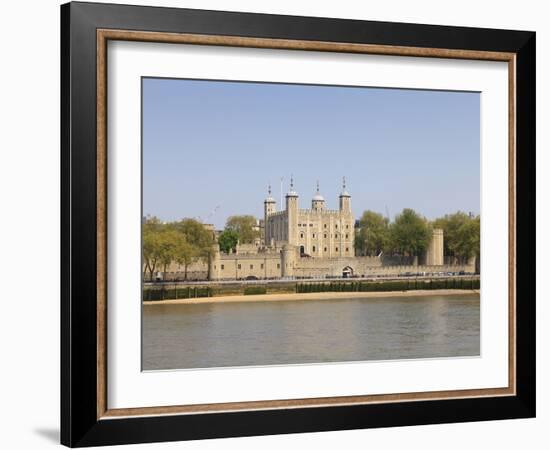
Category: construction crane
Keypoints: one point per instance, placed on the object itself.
(210, 215)
(213, 212)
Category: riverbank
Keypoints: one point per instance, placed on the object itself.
(311, 296)
(214, 289)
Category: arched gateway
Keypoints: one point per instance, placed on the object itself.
(347, 272)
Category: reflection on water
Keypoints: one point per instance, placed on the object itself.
(309, 331)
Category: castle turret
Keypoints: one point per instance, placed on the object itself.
(214, 263)
(434, 254)
(345, 198)
(318, 201)
(270, 206)
(288, 260)
(292, 214)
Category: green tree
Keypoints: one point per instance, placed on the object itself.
(477, 237)
(461, 234)
(150, 252)
(245, 227)
(180, 242)
(170, 244)
(185, 253)
(152, 226)
(373, 234)
(410, 233)
(228, 240)
(196, 235)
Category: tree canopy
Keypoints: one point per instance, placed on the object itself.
(461, 234)
(181, 242)
(373, 235)
(245, 227)
(228, 240)
(410, 233)
(197, 235)
(151, 245)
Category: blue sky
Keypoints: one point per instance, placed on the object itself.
(216, 145)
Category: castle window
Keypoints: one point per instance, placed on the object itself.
(325, 235)
(310, 224)
(347, 249)
(239, 266)
(325, 249)
(251, 266)
(302, 235)
(314, 248)
(335, 235)
(347, 226)
(336, 249)
(313, 235)
(278, 266)
(336, 226)
(346, 236)
(261, 266)
(222, 266)
(325, 225)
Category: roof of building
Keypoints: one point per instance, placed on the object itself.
(318, 197)
(269, 198)
(344, 192)
(292, 192)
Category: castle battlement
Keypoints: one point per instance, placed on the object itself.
(327, 212)
(277, 213)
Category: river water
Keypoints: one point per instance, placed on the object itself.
(309, 331)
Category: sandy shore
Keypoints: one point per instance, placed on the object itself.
(311, 296)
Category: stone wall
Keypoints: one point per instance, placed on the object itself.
(195, 272)
(231, 267)
(287, 263)
(367, 266)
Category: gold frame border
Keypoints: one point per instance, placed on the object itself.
(104, 35)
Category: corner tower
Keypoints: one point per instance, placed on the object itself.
(270, 206)
(345, 198)
(292, 214)
(434, 253)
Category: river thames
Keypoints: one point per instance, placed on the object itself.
(309, 331)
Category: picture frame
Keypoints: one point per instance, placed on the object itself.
(86, 418)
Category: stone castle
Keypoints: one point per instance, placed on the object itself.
(317, 232)
(318, 243)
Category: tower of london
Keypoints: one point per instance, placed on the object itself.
(317, 242)
(317, 232)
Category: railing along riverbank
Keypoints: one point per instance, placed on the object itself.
(167, 291)
(393, 285)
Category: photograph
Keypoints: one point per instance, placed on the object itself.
(304, 224)
(291, 221)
